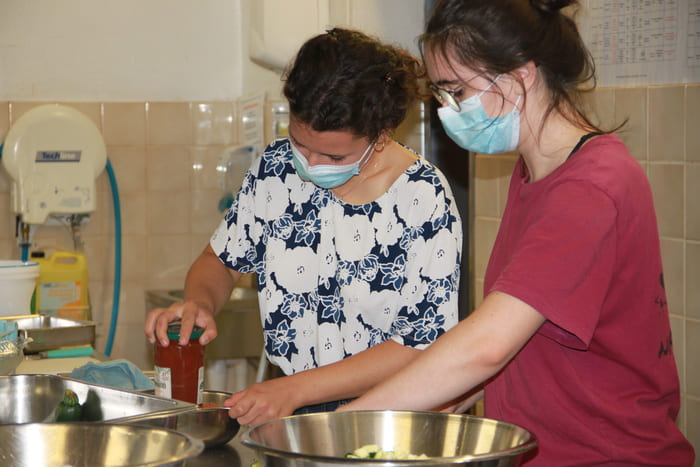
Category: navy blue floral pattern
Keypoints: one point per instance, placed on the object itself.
(335, 278)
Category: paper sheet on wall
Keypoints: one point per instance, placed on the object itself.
(643, 42)
(252, 119)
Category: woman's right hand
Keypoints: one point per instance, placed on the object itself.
(190, 313)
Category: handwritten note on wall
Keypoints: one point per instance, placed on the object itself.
(642, 42)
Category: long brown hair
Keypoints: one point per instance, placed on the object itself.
(499, 36)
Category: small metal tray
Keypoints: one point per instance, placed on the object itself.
(52, 332)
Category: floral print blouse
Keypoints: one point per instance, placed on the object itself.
(334, 278)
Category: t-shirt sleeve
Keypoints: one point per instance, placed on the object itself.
(562, 265)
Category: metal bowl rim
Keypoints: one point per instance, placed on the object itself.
(194, 448)
(526, 446)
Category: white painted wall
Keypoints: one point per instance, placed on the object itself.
(157, 50)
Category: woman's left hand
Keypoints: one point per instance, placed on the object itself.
(263, 401)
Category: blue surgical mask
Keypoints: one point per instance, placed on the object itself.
(475, 131)
(327, 175)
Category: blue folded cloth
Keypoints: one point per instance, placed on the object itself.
(8, 331)
(121, 374)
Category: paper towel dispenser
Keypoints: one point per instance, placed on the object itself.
(279, 27)
(53, 155)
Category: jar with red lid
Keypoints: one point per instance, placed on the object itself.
(179, 369)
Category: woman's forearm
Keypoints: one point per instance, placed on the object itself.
(460, 360)
(352, 376)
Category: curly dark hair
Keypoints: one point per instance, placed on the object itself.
(344, 80)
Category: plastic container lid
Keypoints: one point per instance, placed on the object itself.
(15, 269)
(174, 332)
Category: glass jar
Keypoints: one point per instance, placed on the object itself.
(179, 369)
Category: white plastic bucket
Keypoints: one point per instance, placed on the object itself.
(17, 283)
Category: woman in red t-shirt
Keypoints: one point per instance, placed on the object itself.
(572, 339)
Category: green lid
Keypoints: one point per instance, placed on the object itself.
(174, 331)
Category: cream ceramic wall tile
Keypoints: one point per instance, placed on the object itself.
(507, 163)
(99, 311)
(131, 344)
(666, 133)
(129, 165)
(630, 104)
(98, 256)
(409, 132)
(168, 260)
(102, 217)
(205, 213)
(9, 249)
(692, 123)
(204, 163)
(692, 355)
(667, 186)
(168, 213)
(134, 250)
(7, 227)
(692, 278)
(478, 292)
(487, 186)
(168, 168)
(673, 255)
(168, 123)
(692, 199)
(132, 306)
(125, 123)
(678, 336)
(134, 208)
(199, 243)
(692, 432)
(213, 123)
(4, 119)
(485, 231)
(600, 107)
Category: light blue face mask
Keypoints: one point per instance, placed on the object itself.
(475, 131)
(326, 175)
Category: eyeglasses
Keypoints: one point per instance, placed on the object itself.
(445, 96)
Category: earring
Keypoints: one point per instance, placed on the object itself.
(381, 141)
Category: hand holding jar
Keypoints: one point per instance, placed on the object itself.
(179, 369)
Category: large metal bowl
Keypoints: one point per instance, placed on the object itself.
(93, 443)
(211, 425)
(323, 439)
(32, 398)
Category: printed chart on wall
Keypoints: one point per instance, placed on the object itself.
(643, 42)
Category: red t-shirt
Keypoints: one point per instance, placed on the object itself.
(597, 384)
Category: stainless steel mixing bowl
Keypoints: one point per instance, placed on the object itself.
(323, 439)
(211, 425)
(89, 444)
(32, 398)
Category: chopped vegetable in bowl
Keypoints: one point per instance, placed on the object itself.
(372, 451)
